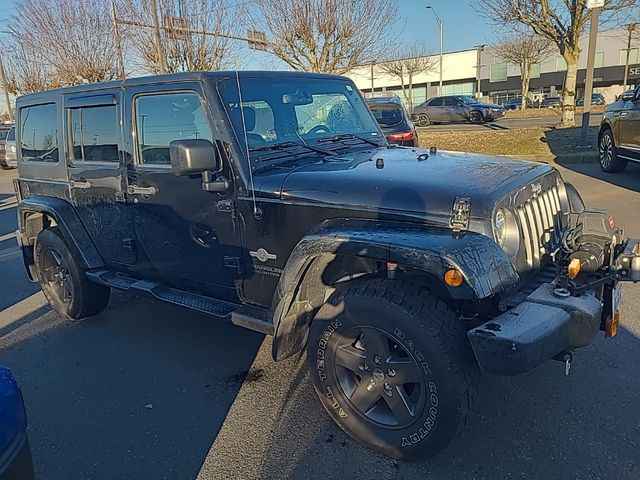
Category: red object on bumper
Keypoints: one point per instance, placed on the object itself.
(402, 137)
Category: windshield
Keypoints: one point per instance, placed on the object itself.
(300, 110)
(386, 113)
(11, 136)
(468, 100)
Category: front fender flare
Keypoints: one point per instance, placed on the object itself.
(486, 268)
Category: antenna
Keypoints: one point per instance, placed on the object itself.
(256, 212)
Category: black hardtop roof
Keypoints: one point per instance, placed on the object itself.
(169, 78)
(390, 99)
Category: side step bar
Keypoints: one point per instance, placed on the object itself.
(252, 318)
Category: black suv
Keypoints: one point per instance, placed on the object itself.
(273, 200)
(393, 118)
(619, 141)
(456, 108)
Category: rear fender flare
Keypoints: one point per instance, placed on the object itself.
(67, 222)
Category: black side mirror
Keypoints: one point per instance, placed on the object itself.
(193, 156)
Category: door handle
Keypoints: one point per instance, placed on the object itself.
(145, 191)
(81, 184)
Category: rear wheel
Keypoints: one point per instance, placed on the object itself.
(609, 160)
(423, 120)
(393, 367)
(63, 280)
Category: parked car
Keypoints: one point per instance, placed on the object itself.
(619, 142)
(551, 102)
(10, 158)
(15, 452)
(272, 199)
(456, 108)
(515, 103)
(4, 131)
(596, 99)
(393, 118)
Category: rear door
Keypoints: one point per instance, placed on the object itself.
(96, 169)
(435, 110)
(190, 237)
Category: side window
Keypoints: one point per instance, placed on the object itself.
(162, 118)
(94, 133)
(39, 133)
(450, 102)
(435, 102)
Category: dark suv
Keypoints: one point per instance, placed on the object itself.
(393, 118)
(456, 108)
(272, 199)
(619, 140)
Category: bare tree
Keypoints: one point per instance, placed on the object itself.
(524, 49)
(25, 70)
(331, 36)
(183, 50)
(415, 60)
(72, 39)
(562, 22)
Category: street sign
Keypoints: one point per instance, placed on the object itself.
(176, 27)
(257, 40)
(591, 4)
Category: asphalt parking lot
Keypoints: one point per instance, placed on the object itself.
(150, 391)
(508, 123)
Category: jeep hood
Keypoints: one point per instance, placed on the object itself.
(404, 183)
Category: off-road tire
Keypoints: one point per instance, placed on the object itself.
(475, 116)
(438, 355)
(610, 162)
(86, 298)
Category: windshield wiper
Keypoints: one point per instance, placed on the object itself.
(287, 154)
(289, 144)
(347, 136)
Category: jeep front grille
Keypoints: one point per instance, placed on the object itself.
(541, 224)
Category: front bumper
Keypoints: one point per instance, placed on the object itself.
(538, 329)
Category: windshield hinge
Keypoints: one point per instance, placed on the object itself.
(460, 214)
(227, 206)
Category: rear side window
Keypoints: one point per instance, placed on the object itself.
(94, 134)
(435, 102)
(39, 133)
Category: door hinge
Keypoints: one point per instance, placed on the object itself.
(233, 262)
(227, 206)
(460, 214)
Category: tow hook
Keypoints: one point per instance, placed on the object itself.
(566, 358)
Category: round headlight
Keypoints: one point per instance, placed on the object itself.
(506, 231)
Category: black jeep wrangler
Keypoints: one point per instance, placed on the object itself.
(273, 200)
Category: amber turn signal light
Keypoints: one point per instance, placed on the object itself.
(574, 268)
(611, 328)
(453, 278)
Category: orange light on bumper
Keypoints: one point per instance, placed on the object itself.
(611, 328)
(574, 268)
(453, 278)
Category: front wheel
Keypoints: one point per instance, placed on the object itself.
(476, 117)
(609, 160)
(63, 280)
(392, 366)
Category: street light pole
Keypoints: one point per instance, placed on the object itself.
(631, 27)
(439, 20)
(588, 84)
